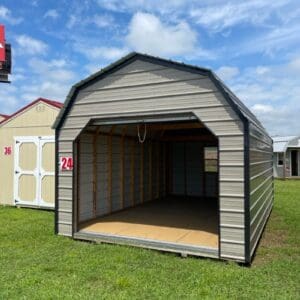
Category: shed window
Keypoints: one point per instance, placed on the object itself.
(280, 159)
(211, 159)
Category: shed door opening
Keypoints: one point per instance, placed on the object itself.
(34, 171)
(294, 162)
(163, 190)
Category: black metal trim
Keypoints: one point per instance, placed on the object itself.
(148, 118)
(56, 205)
(219, 201)
(73, 185)
(178, 65)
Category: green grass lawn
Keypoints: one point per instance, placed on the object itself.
(36, 264)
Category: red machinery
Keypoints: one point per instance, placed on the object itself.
(5, 56)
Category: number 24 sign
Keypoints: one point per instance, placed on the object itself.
(66, 163)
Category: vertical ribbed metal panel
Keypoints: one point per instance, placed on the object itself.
(127, 178)
(86, 178)
(178, 176)
(194, 168)
(102, 169)
(116, 174)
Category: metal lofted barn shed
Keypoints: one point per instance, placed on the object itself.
(165, 157)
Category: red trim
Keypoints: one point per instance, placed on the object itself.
(4, 116)
(47, 101)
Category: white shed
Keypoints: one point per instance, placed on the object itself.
(286, 156)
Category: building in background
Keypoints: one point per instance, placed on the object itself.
(27, 155)
(286, 156)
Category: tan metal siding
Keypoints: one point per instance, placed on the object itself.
(64, 229)
(154, 90)
(145, 78)
(137, 66)
(232, 203)
(65, 191)
(233, 235)
(233, 251)
(261, 183)
(86, 178)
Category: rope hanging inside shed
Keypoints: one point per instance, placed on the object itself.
(142, 140)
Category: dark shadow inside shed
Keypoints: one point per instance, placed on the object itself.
(150, 183)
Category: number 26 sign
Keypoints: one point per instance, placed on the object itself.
(7, 150)
(66, 163)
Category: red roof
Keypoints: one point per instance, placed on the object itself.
(47, 101)
(4, 116)
(51, 102)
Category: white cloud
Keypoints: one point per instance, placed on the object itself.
(73, 19)
(156, 6)
(17, 77)
(148, 34)
(222, 15)
(93, 67)
(100, 20)
(53, 90)
(34, 3)
(281, 38)
(272, 92)
(29, 45)
(103, 21)
(39, 65)
(107, 53)
(53, 70)
(8, 98)
(51, 13)
(50, 79)
(227, 72)
(262, 108)
(6, 15)
(294, 65)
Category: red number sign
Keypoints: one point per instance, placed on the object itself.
(7, 150)
(66, 163)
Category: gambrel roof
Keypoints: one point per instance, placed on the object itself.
(242, 111)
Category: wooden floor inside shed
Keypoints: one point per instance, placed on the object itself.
(189, 221)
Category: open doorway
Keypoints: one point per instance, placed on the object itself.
(294, 162)
(150, 184)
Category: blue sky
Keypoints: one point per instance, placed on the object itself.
(254, 46)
